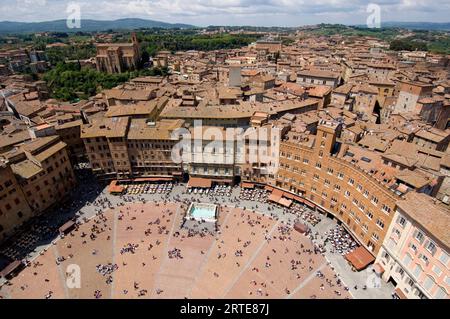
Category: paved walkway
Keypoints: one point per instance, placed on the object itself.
(348, 276)
(305, 282)
(86, 209)
(250, 261)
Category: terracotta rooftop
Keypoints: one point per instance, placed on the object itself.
(26, 169)
(433, 218)
(14, 138)
(106, 127)
(433, 135)
(413, 178)
(69, 124)
(148, 79)
(36, 145)
(319, 90)
(50, 151)
(373, 142)
(344, 89)
(139, 108)
(318, 73)
(242, 110)
(125, 94)
(142, 129)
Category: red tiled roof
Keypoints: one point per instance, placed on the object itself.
(360, 258)
(199, 182)
(247, 185)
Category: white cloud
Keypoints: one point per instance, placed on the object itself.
(243, 12)
(31, 2)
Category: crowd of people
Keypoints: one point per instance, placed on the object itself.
(200, 228)
(106, 270)
(303, 260)
(306, 214)
(254, 194)
(149, 188)
(175, 253)
(339, 239)
(341, 242)
(215, 191)
(331, 283)
(129, 248)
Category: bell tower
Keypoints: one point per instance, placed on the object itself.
(134, 38)
(327, 132)
(137, 54)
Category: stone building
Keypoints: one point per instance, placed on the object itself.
(335, 185)
(13, 206)
(120, 147)
(415, 252)
(35, 175)
(118, 57)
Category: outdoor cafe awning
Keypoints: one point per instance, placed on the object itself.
(277, 197)
(114, 188)
(360, 258)
(67, 227)
(278, 192)
(153, 179)
(285, 202)
(247, 185)
(199, 182)
(274, 197)
(223, 181)
(298, 199)
(309, 203)
(289, 195)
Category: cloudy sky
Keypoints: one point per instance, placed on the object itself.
(231, 12)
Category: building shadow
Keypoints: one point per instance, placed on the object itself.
(41, 230)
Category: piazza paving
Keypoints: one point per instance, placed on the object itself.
(251, 256)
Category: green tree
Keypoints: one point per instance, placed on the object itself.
(69, 81)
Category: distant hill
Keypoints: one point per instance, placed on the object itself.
(418, 25)
(86, 25)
